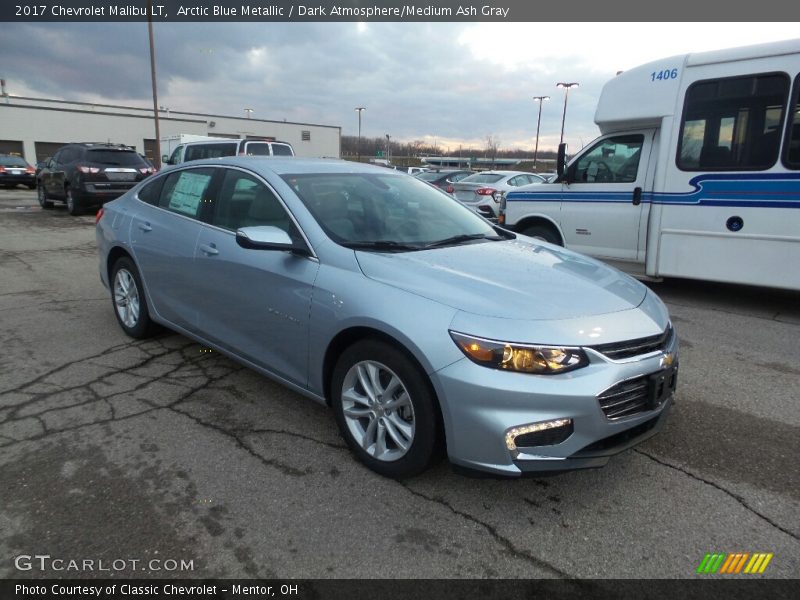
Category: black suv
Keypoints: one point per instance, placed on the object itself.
(89, 174)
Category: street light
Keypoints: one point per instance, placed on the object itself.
(541, 99)
(359, 109)
(566, 86)
(388, 149)
(248, 112)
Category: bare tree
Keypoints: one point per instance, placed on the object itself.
(492, 144)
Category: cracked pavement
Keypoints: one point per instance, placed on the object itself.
(112, 448)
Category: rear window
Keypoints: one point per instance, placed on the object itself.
(257, 149)
(282, 150)
(12, 161)
(483, 178)
(118, 158)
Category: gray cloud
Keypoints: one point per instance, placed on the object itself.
(414, 79)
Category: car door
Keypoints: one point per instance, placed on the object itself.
(601, 200)
(163, 238)
(254, 303)
(53, 177)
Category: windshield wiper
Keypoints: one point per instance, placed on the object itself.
(380, 245)
(464, 237)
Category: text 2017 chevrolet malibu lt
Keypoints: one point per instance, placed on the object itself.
(417, 321)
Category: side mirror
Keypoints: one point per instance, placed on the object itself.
(561, 160)
(267, 237)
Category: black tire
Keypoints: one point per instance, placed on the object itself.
(41, 195)
(74, 206)
(543, 232)
(143, 326)
(425, 415)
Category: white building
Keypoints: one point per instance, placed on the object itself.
(35, 127)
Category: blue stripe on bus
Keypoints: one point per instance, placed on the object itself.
(769, 190)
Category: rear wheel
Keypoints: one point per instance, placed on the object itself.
(42, 197)
(73, 204)
(130, 304)
(385, 409)
(543, 232)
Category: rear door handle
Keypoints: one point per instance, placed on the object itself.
(637, 196)
(145, 227)
(209, 249)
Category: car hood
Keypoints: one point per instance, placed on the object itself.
(515, 279)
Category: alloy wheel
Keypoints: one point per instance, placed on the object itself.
(126, 298)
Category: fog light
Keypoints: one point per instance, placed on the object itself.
(536, 428)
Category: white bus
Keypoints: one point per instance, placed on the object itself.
(696, 173)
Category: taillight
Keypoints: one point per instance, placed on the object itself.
(450, 189)
(485, 191)
(99, 216)
(2, 169)
(85, 169)
(30, 170)
(146, 170)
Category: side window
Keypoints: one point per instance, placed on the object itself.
(244, 201)
(282, 150)
(256, 149)
(791, 147)
(150, 192)
(733, 123)
(612, 160)
(185, 191)
(211, 150)
(175, 158)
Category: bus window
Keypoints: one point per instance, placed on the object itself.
(791, 151)
(732, 123)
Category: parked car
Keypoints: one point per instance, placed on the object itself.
(228, 147)
(415, 320)
(411, 170)
(483, 191)
(443, 178)
(86, 175)
(15, 170)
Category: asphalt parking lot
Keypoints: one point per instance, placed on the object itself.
(116, 449)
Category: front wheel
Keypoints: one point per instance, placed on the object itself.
(73, 205)
(543, 232)
(41, 195)
(385, 409)
(130, 304)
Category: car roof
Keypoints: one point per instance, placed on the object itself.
(292, 165)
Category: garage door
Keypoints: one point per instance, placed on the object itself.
(45, 150)
(11, 147)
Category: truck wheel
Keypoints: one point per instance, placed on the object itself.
(544, 233)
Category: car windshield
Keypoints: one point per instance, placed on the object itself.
(482, 178)
(120, 158)
(12, 161)
(386, 212)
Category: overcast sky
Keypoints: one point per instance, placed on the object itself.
(449, 83)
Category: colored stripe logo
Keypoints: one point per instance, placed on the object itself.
(735, 563)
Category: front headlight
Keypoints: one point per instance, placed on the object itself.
(525, 358)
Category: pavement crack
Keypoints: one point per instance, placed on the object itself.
(249, 431)
(506, 543)
(739, 499)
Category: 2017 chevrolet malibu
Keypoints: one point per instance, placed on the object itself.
(418, 322)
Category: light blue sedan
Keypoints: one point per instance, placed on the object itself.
(419, 323)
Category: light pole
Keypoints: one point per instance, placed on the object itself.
(157, 157)
(388, 150)
(359, 110)
(248, 112)
(541, 99)
(566, 87)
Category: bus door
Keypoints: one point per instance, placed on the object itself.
(605, 201)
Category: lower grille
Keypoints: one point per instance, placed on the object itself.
(618, 439)
(548, 437)
(625, 399)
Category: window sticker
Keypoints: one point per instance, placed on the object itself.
(188, 193)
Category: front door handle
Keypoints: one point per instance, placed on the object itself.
(209, 249)
(145, 227)
(637, 196)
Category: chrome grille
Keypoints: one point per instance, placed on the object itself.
(625, 399)
(637, 347)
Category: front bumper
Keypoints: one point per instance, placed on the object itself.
(481, 406)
